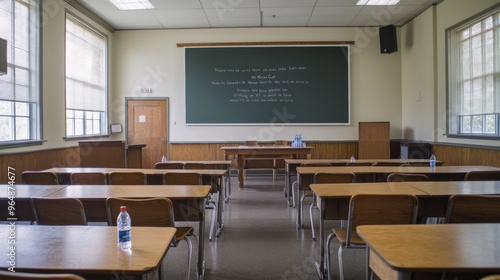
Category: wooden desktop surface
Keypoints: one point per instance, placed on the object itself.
(445, 169)
(86, 249)
(397, 250)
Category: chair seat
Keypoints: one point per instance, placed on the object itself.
(183, 232)
(342, 237)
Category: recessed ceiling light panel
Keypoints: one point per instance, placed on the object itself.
(132, 4)
(377, 2)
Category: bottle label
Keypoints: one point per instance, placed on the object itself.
(123, 236)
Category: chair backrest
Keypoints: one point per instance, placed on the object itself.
(468, 208)
(90, 178)
(148, 212)
(195, 165)
(251, 143)
(407, 177)
(58, 211)
(188, 178)
(381, 209)
(169, 165)
(360, 163)
(328, 178)
(127, 178)
(39, 178)
(482, 176)
(7, 275)
(281, 143)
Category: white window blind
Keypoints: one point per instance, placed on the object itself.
(86, 79)
(19, 88)
(474, 76)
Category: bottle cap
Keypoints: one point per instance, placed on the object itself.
(123, 208)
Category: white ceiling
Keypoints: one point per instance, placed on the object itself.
(175, 14)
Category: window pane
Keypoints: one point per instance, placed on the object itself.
(22, 129)
(6, 107)
(6, 128)
(22, 109)
(490, 124)
(477, 124)
(466, 124)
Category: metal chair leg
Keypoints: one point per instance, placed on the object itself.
(341, 267)
(190, 252)
(313, 205)
(327, 257)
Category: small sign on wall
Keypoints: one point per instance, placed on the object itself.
(142, 118)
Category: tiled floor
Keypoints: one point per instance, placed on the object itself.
(260, 240)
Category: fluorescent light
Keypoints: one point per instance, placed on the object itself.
(377, 2)
(132, 4)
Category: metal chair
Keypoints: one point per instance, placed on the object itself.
(328, 178)
(469, 208)
(482, 176)
(371, 209)
(8, 275)
(151, 212)
(169, 165)
(58, 211)
(127, 178)
(192, 178)
(88, 178)
(39, 178)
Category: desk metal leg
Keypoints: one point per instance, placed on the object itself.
(200, 270)
(220, 223)
(321, 270)
(299, 206)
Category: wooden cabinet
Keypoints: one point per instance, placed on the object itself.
(374, 140)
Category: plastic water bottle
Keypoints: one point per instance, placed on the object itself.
(353, 159)
(124, 225)
(432, 161)
(163, 158)
(299, 141)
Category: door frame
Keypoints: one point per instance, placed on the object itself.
(167, 110)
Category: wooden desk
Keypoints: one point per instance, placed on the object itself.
(189, 203)
(438, 173)
(334, 204)
(245, 152)
(155, 177)
(292, 164)
(219, 164)
(85, 250)
(439, 192)
(22, 196)
(395, 251)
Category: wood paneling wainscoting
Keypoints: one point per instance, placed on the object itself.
(38, 160)
(67, 157)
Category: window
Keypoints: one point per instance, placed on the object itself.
(474, 77)
(86, 80)
(20, 87)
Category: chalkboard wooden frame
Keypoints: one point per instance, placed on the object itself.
(259, 84)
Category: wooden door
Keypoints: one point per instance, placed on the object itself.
(147, 123)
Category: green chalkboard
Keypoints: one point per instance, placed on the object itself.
(263, 85)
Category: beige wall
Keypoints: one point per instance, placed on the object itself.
(424, 69)
(375, 79)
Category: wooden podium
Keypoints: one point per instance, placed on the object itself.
(113, 154)
(374, 140)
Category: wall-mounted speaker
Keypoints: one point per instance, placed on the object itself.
(388, 39)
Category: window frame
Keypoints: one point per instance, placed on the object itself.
(34, 108)
(454, 121)
(105, 115)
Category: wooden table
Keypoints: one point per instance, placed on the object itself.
(85, 250)
(335, 198)
(292, 164)
(188, 200)
(438, 173)
(155, 178)
(395, 251)
(248, 152)
(22, 195)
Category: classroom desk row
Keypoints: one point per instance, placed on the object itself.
(154, 177)
(292, 164)
(432, 196)
(188, 201)
(438, 173)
